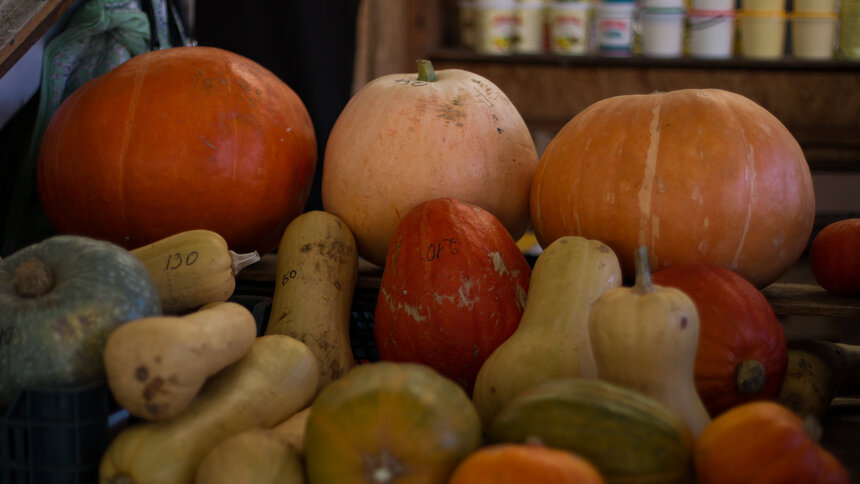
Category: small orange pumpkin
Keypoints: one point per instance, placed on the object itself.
(523, 463)
(834, 257)
(698, 176)
(765, 443)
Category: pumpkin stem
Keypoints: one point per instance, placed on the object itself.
(643, 283)
(425, 71)
(33, 278)
(241, 261)
(750, 377)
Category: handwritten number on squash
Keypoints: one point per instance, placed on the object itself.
(175, 261)
(6, 335)
(409, 82)
(287, 276)
(435, 251)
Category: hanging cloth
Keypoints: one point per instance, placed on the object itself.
(100, 35)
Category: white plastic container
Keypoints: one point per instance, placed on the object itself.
(813, 35)
(569, 27)
(530, 28)
(613, 27)
(712, 5)
(711, 33)
(662, 31)
(762, 5)
(495, 27)
(762, 34)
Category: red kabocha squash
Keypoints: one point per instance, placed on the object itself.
(834, 257)
(174, 140)
(742, 352)
(453, 289)
(763, 442)
(697, 176)
(407, 138)
(524, 463)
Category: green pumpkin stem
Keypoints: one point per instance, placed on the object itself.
(32, 279)
(241, 261)
(425, 71)
(750, 377)
(643, 283)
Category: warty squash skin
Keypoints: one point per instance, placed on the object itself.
(645, 338)
(59, 301)
(388, 422)
(179, 139)
(193, 268)
(698, 176)
(257, 456)
(631, 438)
(552, 337)
(403, 139)
(317, 269)
(155, 366)
(274, 380)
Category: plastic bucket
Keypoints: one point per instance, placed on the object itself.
(467, 17)
(813, 36)
(711, 33)
(712, 5)
(495, 27)
(529, 28)
(815, 6)
(662, 31)
(569, 31)
(762, 34)
(762, 5)
(613, 27)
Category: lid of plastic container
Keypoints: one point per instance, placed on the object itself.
(762, 13)
(711, 13)
(663, 4)
(578, 5)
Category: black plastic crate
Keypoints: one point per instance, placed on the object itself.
(57, 436)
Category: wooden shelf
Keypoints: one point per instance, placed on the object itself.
(23, 23)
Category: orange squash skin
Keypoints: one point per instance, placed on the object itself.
(453, 289)
(834, 257)
(523, 463)
(736, 325)
(762, 442)
(698, 176)
(179, 139)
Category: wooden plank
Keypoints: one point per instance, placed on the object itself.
(788, 299)
(22, 23)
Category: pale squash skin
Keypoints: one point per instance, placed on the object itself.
(156, 366)
(317, 269)
(645, 338)
(56, 338)
(552, 337)
(258, 456)
(193, 268)
(401, 141)
(389, 422)
(628, 436)
(292, 431)
(275, 379)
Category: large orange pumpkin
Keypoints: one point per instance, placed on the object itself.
(698, 176)
(179, 139)
(404, 139)
(453, 289)
(530, 462)
(742, 353)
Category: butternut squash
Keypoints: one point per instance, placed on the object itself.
(155, 366)
(193, 268)
(645, 338)
(552, 337)
(819, 371)
(317, 269)
(276, 378)
(292, 430)
(257, 456)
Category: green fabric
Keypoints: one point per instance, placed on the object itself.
(101, 35)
